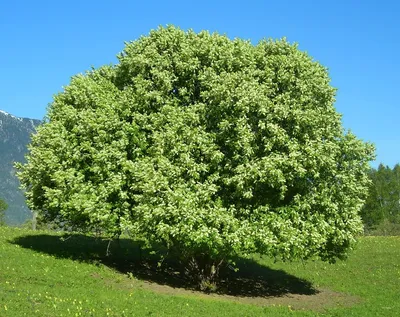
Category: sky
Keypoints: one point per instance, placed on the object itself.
(44, 43)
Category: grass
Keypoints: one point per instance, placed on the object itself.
(43, 274)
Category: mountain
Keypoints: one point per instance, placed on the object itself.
(15, 135)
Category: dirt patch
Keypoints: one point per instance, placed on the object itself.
(321, 300)
(280, 289)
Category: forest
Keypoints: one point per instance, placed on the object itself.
(381, 212)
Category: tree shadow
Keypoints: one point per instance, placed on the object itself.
(128, 256)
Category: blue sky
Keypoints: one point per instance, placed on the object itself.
(44, 43)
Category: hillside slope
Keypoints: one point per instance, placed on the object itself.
(46, 273)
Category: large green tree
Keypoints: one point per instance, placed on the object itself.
(213, 147)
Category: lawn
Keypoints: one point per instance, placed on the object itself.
(47, 274)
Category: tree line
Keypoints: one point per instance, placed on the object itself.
(381, 212)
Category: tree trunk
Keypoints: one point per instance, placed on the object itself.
(34, 220)
(204, 271)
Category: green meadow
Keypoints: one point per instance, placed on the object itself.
(53, 274)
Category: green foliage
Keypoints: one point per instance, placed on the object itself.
(210, 146)
(384, 228)
(381, 212)
(3, 208)
(41, 224)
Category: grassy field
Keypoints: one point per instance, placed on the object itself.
(45, 274)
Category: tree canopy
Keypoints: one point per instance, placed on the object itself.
(211, 146)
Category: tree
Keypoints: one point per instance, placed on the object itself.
(383, 202)
(3, 208)
(213, 147)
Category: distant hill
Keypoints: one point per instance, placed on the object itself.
(14, 137)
